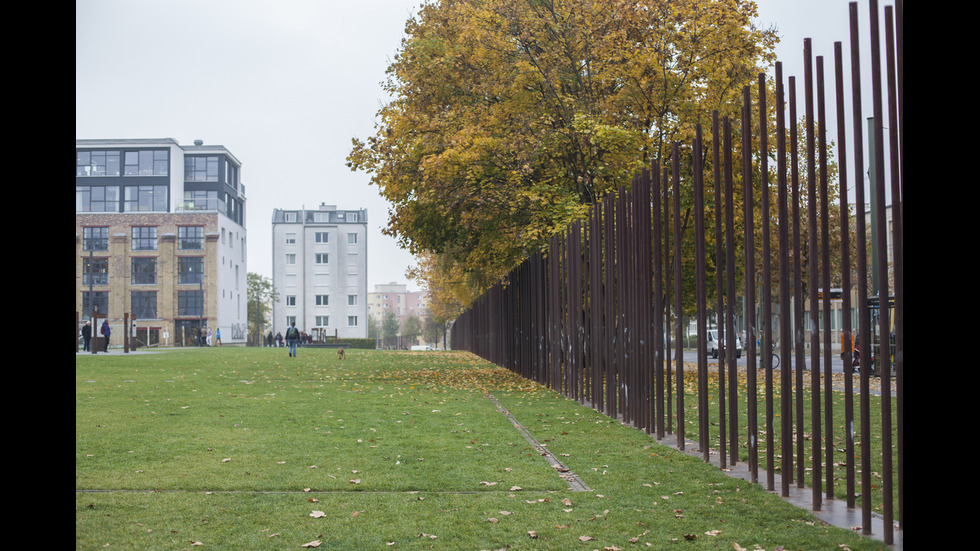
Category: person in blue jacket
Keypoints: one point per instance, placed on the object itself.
(105, 333)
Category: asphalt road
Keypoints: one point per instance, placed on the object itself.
(836, 364)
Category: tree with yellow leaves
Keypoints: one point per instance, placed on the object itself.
(510, 118)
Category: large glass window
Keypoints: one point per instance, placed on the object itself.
(201, 200)
(95, 271)
(95, 239)
(323, 300)
(190, 303)
(322, 237)
(190, 237)
(144, 305)
(201, 169)
(145, 198)
(96, 163)
(96, 198)
(144, 270)
(190, 269)
(322, 321)
(322, 258)
(97, 299)
(144, 238)
(147, 163)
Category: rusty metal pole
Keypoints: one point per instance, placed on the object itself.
(678, 303)
(785, 311)
(884, 360)
(699, 256)
(748, 208)
(898, 256)
(864, 322)
(812, 283)
(729, 319)
(766, 283)
(845, 248)
(825, 284)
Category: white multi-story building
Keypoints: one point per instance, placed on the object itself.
(319, 269)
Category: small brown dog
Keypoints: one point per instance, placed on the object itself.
(340, 353)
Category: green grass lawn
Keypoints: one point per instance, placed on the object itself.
(238, 448)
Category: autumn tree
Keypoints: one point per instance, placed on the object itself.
(510, 118)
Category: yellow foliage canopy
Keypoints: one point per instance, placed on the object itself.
(511, 117)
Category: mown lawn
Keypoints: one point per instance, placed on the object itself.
(250, 449)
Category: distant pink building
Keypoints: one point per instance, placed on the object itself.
(396, 298)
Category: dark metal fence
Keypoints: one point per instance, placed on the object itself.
(598, 316)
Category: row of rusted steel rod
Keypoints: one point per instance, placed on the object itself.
(592, 316)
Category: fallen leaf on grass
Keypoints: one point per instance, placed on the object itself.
(492, 520)
(585, 538)
(318, 514)
(314, 543)
(532, 533)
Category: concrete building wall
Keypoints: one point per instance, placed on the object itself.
(320, 271)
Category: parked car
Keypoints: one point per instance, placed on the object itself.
(714, 346)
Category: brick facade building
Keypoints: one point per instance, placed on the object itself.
(159, 235)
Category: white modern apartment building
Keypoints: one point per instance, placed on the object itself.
(319, 269)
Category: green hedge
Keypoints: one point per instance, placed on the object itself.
(367, 344)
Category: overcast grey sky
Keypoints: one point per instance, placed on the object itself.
(285, 85)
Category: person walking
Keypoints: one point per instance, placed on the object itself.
(292, 337)
(106, 331)
(217, 335)
(209, 336)
(87, 337)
